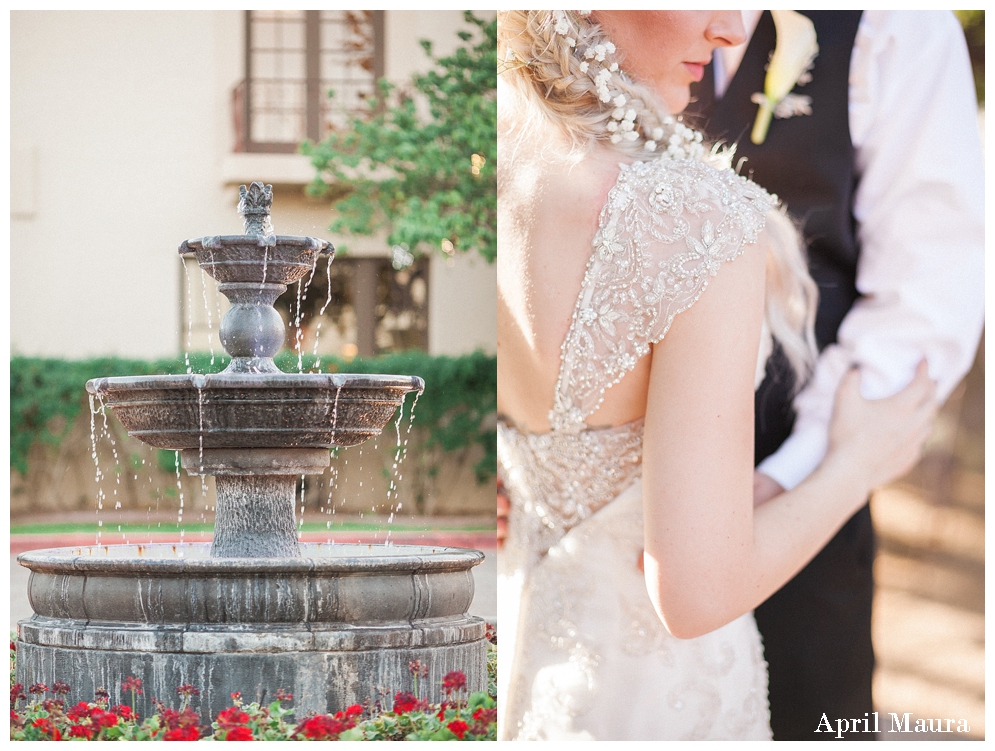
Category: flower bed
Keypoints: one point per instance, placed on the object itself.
(41, 714)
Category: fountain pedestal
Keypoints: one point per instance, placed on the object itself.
(256, 493)
(255, 611)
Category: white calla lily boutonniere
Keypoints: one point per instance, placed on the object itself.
(794, 52)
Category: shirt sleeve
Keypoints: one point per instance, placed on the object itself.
(919, 205)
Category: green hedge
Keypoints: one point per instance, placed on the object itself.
(47, 395)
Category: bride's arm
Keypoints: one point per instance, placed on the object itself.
(710, 556)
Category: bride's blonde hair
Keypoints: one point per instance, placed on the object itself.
(548, 68)
(552, 76)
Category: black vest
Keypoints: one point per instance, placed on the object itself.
(808, 161)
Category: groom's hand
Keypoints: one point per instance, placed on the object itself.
(764, 488)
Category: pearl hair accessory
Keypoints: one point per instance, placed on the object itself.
(630, 119)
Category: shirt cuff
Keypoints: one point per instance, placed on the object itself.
(798, 456)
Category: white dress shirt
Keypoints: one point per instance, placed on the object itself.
(919, 204)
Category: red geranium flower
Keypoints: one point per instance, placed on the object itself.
(188, 690)
(60, 687)
(232, 716)
(123, 711)
(485, 715)
(38, 688)
(102, 719)
(44, 725)
(17, 692)
(418, 669)
(404, 702)
(188, 733)
(321, 727)
(458, 728)
(80, 712)
(81, 731)
(454, 681)
(241, 733)
(181, 726)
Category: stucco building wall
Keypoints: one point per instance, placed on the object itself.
(122, 146)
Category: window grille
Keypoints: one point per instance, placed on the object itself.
(293, 58)
(374, 307)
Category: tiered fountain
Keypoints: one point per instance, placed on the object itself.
(255, 610)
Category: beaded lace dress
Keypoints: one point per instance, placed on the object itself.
(583, 653)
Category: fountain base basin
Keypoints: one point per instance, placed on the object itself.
(335, 627)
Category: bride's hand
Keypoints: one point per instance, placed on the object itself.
(876, 441)
(503, 509)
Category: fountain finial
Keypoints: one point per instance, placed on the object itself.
(254, 204)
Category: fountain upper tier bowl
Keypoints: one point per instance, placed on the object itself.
(257, 259)
(259, 410)
(252, 404)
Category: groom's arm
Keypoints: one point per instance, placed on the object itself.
(920, 207)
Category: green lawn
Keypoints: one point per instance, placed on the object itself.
(195, 527)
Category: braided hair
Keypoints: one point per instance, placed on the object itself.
(564, 65)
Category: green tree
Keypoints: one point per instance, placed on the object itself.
(429, 181)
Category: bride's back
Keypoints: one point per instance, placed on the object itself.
(548, 209)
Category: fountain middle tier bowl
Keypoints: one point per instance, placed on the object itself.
(257, 410)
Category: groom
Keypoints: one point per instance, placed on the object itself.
(882, 170)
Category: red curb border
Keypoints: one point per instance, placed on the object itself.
(443, 538)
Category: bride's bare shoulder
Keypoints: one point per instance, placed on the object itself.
(545, 190)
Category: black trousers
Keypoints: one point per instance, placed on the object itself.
(817, 638)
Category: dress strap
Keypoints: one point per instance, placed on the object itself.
(667, 227)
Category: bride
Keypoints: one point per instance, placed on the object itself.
(639, 279)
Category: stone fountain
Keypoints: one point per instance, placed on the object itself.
(255, 610)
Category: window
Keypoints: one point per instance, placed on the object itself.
(374, 307)
(293, 58)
